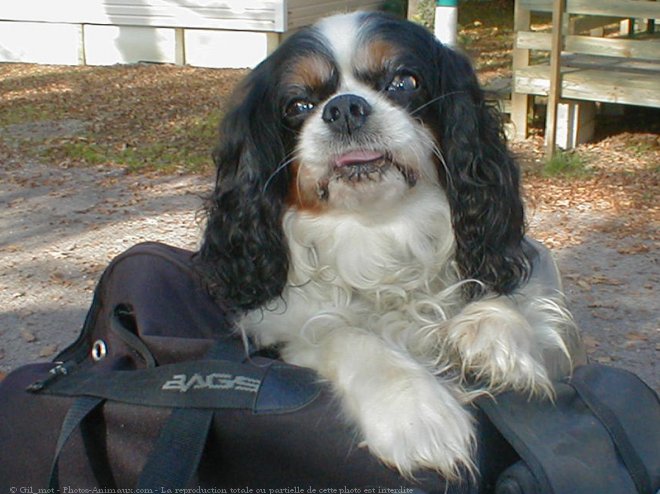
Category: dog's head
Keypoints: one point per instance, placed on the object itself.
(353, 114)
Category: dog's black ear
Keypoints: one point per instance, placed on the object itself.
(482, 181)
(243, 255)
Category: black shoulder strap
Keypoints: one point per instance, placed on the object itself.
(571, 449)
(191, 384)
(596, 384)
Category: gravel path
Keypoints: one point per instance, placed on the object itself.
(62, 226)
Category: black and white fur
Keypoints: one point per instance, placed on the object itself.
(367, 221)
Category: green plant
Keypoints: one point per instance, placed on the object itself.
(26, 113)
(641, 147)
(567, 164)
(79, 151)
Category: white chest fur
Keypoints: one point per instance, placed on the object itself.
(386, 271)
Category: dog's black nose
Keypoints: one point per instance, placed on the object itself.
(346, 113)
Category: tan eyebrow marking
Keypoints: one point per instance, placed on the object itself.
(309, 71)
(376, 55)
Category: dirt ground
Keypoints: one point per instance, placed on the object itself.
(61, 226)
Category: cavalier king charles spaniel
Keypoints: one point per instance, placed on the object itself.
(367, 222)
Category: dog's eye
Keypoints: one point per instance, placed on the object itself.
(403, 82)
(298, 107)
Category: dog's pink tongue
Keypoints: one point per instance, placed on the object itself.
(358, 157)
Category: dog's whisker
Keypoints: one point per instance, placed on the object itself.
(280, 167)
(441, 158)
(434, 100)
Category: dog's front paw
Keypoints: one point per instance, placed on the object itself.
(420, 425)
(497, 347)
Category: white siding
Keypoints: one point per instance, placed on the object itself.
(108, 45)
(264, 15)
(24, 42)
(227, 49)
(241, 15)
(213, 33)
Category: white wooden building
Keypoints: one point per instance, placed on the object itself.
(205, 33)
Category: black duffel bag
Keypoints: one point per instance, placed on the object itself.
(158, 394)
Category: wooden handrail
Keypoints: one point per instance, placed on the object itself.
(640, 9)
(643, 49)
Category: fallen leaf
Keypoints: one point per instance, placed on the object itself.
(590, 342)
(28, 336)
(636, 336)
(48, 351)
(601, 279)
(583, 284)
(634, 249)
(598, 315)
(601, 305)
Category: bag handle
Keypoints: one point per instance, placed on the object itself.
(80, 410)
(193, 390)
(178, 450)
(128, 336)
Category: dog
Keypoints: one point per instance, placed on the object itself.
(367, 222)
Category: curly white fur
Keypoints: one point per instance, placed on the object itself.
(374, 305)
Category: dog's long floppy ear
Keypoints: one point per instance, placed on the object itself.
(243, 255)
(482, 181)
